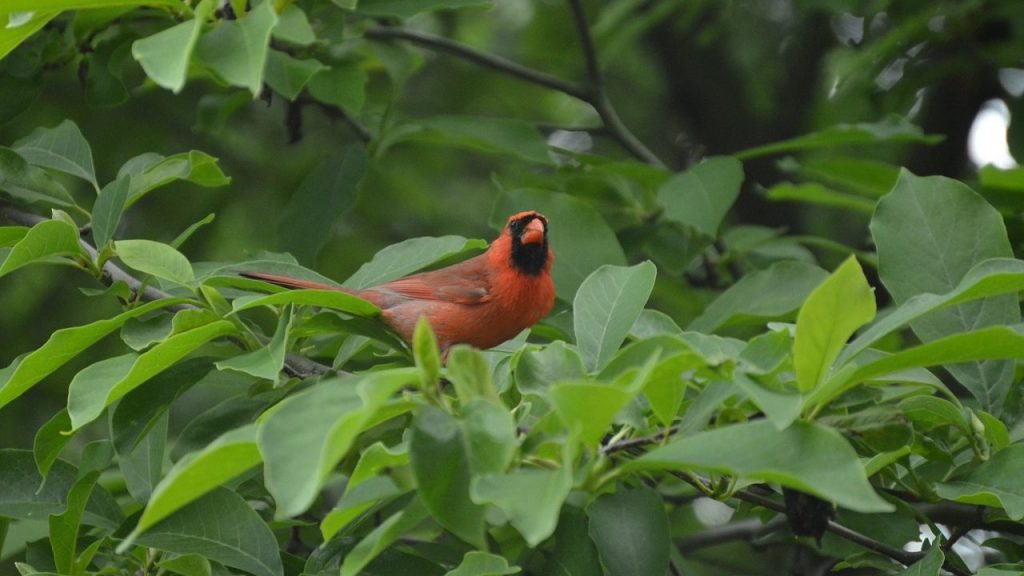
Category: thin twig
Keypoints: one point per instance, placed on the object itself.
(579, 17)
(441, 44)
(631, 443)
(750, 529)
(295, 364)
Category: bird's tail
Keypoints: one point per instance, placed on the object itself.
(289, 282)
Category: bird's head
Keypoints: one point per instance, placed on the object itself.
(528, 232)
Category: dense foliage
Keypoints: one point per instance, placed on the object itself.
(788, 329)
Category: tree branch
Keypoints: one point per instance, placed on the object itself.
(592, 94)
(743, 530)
(295, 364)
(633, 443)
(579, 17)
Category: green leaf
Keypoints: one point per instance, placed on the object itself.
(151, 171)
(12, 36)
(408, 256)
(587, 408)
(862, 176)
(994, 483)
(267, 361)
(61, 148)
(187, 565)
(230, 455)
(62, 346)
(630, 531)
(804, 456)
(929, 233)
(930, 565)
(576, 228)
(1011, 180)
(26, 496)
(536, 368)
(64, 527)
(50, 440)
(236, 50)
(288, 76)
(155, 258)
(141, 464)
(11, 235)
(343, 84)
(988, 278)
(333, 299)
(440, 464)
(605, 308)
(101, 384)
(530, 498)
(894, 129)
(574, 553)
(409, 8)
(222, 527)
(701, 196)
(382, 537)
(306, 436)
(356, 501)
(30, 5)
(490, 435)
(165, 55)
(29, 183)
(772, 292)
(44, 240)
(507, 136)
(470, 375)
(427, 356)
(812, 193)
(293, 27)
(106, 213)
(482, 564)
(326, 193)
(829, 316)
(781, 409)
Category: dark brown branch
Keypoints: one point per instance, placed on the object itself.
(295, 364)
(637, 442)
(751, 529)
(579, 17)
(496, 63)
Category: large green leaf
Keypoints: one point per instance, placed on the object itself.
(535, 369)
(408, 256)
(327, 192)
(577, 232)
(62, 346)
(333, 299)
(43, 241)
(440, 464)
(804, 456)
(631, 533)
(61, 148)
(106, 381)
(343, 85)
(813, 193)
(930, 565)
(605, 308)
(994, 483)
(236, 50)
(929, 233)
(23, 494)
(222, 527)
(64, 527)
(893, 129)
(141, 463)
(12, 36)
(155, 258)
(574, 553)
(305, 436)
(106, 213)
(988, 278)
(829, 316)
(198, 473)
(701, 196)
(771, 292)
(30, 183)
(150, 171)
(530, 498)
(288, 76)
(588, 408)
(165, 55)
(482, 564)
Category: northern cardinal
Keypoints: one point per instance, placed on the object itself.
(482, 301)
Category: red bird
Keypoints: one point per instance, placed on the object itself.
(482, 301)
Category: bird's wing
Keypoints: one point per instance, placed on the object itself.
(467, 282)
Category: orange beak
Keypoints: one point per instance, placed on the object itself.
(534, 232)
